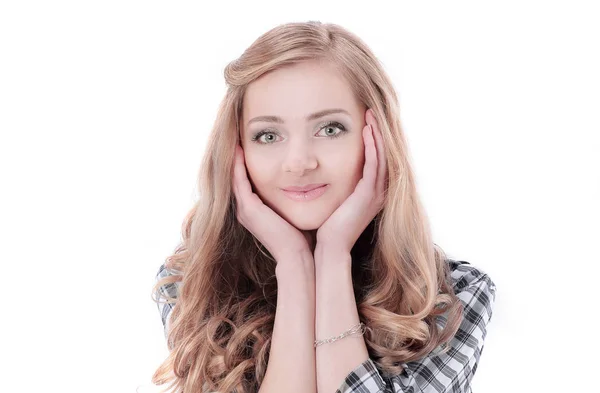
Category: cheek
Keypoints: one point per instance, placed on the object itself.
(348, 168)
(258, 170)
(355, 171)
(355, 160)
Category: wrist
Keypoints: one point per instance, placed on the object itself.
(331, 256)
(295, 263)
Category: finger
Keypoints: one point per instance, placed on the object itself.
(382, 162)
(235, 170)
(370, 168)
(235, 182)
(242, 184)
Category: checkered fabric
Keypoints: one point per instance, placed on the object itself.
(170, 290)
(449, 372)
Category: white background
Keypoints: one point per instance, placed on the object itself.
(105, 108)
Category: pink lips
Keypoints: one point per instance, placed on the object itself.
(309, 195)
(308, 187)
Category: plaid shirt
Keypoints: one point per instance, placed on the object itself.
(450, 372)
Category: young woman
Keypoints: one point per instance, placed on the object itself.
(307, 263)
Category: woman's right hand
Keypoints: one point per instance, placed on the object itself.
(274, 232)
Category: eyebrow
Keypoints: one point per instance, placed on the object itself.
(312, 116)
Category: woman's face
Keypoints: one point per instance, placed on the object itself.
(299, 150)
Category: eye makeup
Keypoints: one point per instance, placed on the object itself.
(267, 131)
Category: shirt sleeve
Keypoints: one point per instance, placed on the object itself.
(449, 372)
(164, 309)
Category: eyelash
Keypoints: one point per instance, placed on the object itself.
(329, 123)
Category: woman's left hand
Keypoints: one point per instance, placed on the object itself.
(341, 230)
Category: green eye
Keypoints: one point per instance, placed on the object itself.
(334, 124)
(261, 133)
(329, 124)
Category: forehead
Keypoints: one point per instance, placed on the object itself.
(296, 90)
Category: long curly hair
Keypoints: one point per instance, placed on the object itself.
(222, 321)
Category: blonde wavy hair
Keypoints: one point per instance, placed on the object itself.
(222, 321)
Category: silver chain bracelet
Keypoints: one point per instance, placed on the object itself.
(360, 328)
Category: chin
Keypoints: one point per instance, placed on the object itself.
(307, 227)
(305, 222)
(304, 217)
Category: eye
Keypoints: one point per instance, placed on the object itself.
(261, 133)
(333, 125)
(327, 127)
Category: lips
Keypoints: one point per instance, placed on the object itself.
(305, 188)
(305, 196)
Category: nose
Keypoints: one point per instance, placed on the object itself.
(299, 158)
